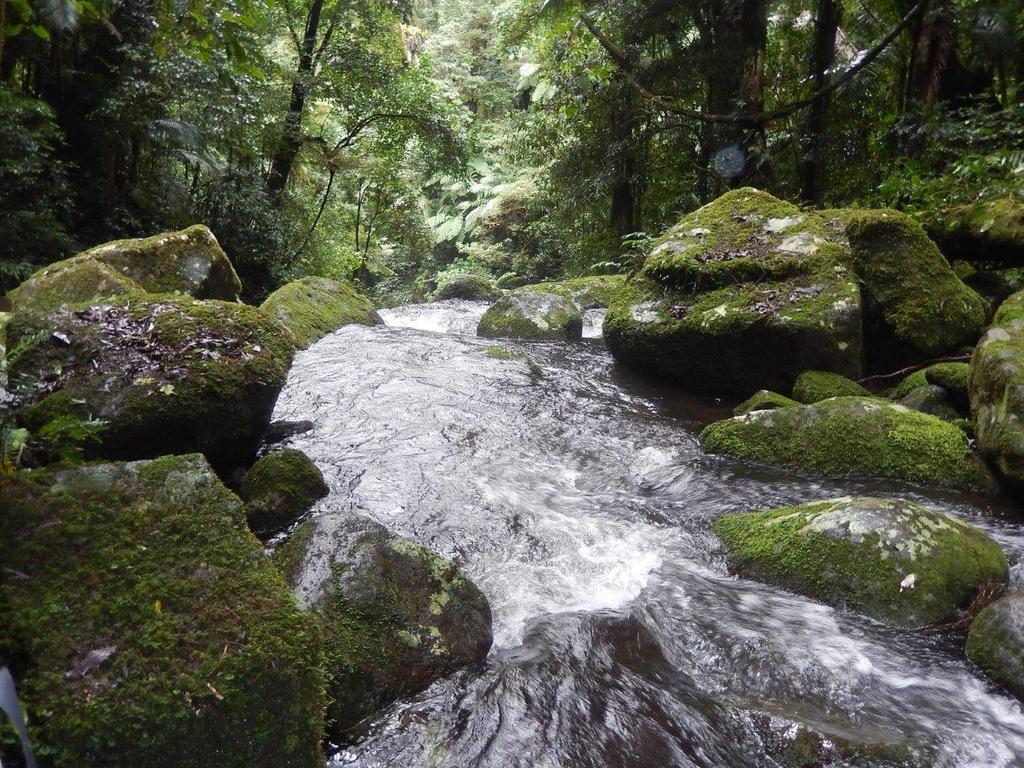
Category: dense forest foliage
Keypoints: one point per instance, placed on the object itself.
(389, 141)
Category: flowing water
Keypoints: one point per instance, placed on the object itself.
(574, 493)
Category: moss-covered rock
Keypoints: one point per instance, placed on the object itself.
(995, 642)
(744, 293)
(996, 387)
(989, 231)
(932, 400)
(280, 488)
(954, 378)
(815, 386)
(147, 628)
(312, 307)
(892, 560)
(167, 374)
(914, 304)
(189, 262)
(852, 436)
(531, 315)
(396, 616)
(591, 292)
(468, 287)
(764, 400)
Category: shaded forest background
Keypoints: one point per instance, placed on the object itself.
(393, 142)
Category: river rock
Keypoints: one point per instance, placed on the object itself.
(280, 488)
(312, 307)
(764, 400)
(742, 294)
(996, 388)
(995, 642)
(145, 625)
(532, 315)
(468, 288)
(853, 436)
(190, 262)
(167, 374)
(892, 560)
(932, 400)
(815, 386)
(395, 616)
(591, 292)
(914, 304)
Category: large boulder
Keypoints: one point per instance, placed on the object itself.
(167, 374)
(914, 304)
(995, 642)
(742, 294)
(892, 560)
(396, 617)
(146, 627)
(312, 307)
(933, 400)
(280, 488)
(815, 386)
(996, 387)
(853, 436)
(591, 292)
(987, 231)
(189, 262)
(468, 287)
(532, 315)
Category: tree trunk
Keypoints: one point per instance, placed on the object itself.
(625, 209)
(291, 137)
(823, 56)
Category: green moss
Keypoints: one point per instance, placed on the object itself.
(145, 625)
(952, 377)
(280, 488)
(814, 386)
(528, 315)
(73, 282)
(989, 230)
(852, 436)
(591, 292)
(468, 287)
(916, 380)
(995, 642)
(312, 307)
(856, 553)
(764, 400)
(913, 298)
(169, 374)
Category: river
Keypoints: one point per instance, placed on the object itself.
(574, 493)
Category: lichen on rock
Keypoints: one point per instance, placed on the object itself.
(995, 642)
(889, 559)
(312, 307)
(531, 315)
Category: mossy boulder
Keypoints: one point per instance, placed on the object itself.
(815, 386)
(742, 294)
(167, 374)
(764, 400)
(988, 231)
(312, 307)
(146, 627)
(591, 292)
(532, 315)
(954, 378)
(995, 642)
(280, 488)
(396, 617)
(892, 560)
(914, 304)
(190, 262)
(932, 400)
(468, 288)
(996, 388)
(853, 436)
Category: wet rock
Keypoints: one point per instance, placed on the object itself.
(469, 288)
(914, 304)
(932, 400)
(189, 262)
(395, 616)
(995, 642)
(815, 386)
(280, 488)
(764, 400)
(146, 626)
(989, 231)
(279, 431)
(167, 374)
(852, 436)
(312, 307)
(892, 560)
(592, 292)
(996, 388)
(745, 293)
(954, 378)
(530, 315)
